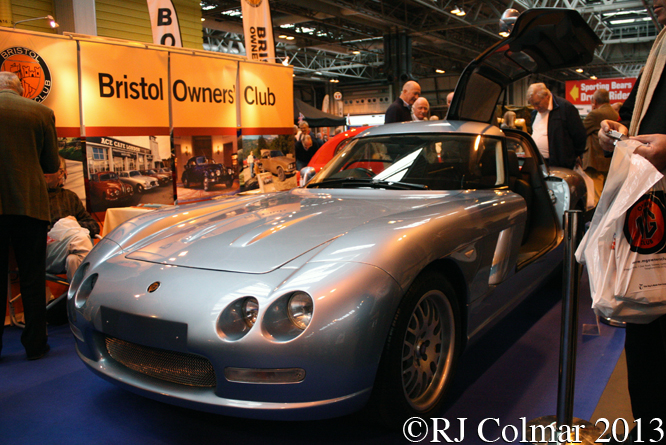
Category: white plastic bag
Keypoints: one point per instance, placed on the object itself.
(628, 272)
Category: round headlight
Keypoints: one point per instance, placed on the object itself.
(250, 310)
(217, 172)
(299, 309)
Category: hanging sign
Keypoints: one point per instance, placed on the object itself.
(164, 22)
(265, 94)
(258, 29)
(203, 95)
(122, 98)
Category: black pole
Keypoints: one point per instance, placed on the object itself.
(569, 332)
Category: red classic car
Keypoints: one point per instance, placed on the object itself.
(332, 147)
(106, 187)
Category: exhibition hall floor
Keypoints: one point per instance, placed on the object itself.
(509, 374)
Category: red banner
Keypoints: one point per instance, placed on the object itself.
(579, 92)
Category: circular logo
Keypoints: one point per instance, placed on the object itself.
(253, 3)
(644, 224)
(153, 287)
(30, 68)
(337, 95)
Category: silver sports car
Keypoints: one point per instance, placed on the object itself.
(363, 286)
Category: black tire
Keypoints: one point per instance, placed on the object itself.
(281, 175)
(421, 352)
(186, 183)
(206, 184)
(140, 189)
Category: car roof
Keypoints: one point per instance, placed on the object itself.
(542, 39)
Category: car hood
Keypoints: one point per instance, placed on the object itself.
(262, 235)
(542, 39)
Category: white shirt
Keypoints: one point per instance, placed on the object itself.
(540, 130)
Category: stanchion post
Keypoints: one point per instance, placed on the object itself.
(569, 330)
(554, 429)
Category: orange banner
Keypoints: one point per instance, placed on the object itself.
(125, 90)
(266, 96)
(47, 67)
(204, 95)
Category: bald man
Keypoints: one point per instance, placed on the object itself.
(420, 109)
(400, 110)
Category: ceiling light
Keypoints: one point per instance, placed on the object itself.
(290, 37)
(282, 36)
(593, 77)
(579, 70)
(438, 71)
(504, 34)
(203, 19)
(456, 10)
(356, 52)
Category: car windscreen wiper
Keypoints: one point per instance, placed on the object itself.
(369, 182)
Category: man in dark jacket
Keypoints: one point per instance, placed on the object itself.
(400, 110)
(28, 149)
(557, 128)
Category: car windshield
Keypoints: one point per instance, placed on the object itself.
(134, 173)
(107, 177)
(276, 153)
(448, 161)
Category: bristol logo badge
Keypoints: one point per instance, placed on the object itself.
(31, 68)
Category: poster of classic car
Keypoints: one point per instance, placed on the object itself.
(206, 173)
(123, 172)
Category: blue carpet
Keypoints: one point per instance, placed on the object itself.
(510, 373)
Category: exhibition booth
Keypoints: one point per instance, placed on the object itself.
(124, 106)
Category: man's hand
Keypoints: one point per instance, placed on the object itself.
(606, 142)
(654, 149)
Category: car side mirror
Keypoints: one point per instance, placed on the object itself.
(307, 173)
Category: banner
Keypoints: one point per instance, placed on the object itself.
(258, 29)
(47, 67)
(164, 21)
(579, 92)
(125, 90)
(204, 95)
(266, 99)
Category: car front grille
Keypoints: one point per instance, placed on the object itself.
(175, 367)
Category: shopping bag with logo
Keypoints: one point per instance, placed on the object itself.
(625, 247)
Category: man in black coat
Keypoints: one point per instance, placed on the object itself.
(400, 110)
(28, 149)
(557, 128)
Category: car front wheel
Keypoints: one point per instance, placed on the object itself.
(206, 184)
(421, 352)
(186, 183)
(140, 188)
(281, 175)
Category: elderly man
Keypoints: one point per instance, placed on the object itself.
(420, 109)
(28, 149)
(304, 154)
(557, 128)
(400, 109)
(594, 162)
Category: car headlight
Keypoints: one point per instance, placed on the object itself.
(292, 166)
(250, 309)
(237, 318)
(217, 172)
(299, 309)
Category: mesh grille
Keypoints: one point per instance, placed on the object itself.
(175, 367)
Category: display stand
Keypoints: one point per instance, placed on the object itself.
(563, 427)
